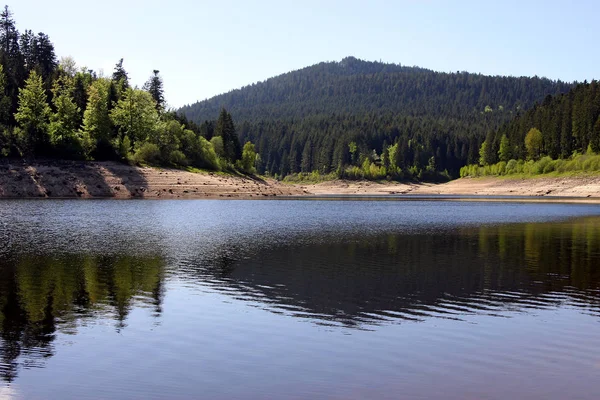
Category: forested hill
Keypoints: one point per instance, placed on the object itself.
(356, 86)
(560, 134)
(337, 115)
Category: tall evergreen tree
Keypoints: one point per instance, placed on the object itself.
(504, 153)
(9, 35)
(226, 130)
(306, 163)
(7, 145)
(484, 151)
(120, 78)
(27, 48)
(5, 101)
(154, 86)
(44, 56)
(120, 75)
(81, 84)
(10, 56)
(64, 122)
(32, 115)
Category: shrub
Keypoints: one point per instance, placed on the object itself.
(208, 157)
(501, 168)
(511, 167)
(549, 167)
(147, 153)
(177, 157)
(560, 165)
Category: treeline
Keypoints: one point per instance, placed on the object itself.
(374, 146)
(51, 108)
(369, 119)
(561, 134)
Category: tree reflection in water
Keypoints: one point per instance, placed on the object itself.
(350, 280)
(40, 295)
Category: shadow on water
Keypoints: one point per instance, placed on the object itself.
(58, 178)
(394, 277)
(40, 296)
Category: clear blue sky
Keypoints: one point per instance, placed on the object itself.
(204, 48)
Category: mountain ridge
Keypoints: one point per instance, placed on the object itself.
(347, 67)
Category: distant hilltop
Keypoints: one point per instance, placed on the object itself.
(354, 86)
(347, 116)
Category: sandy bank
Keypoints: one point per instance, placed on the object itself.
(71, 179)
(581, 187)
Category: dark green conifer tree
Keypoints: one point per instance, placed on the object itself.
(26, 46)
(154, 86)
(226, 129)
(44, 56)
(120, 75)
(10, 58)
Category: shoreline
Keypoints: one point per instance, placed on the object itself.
(112, 180)
(583, 187)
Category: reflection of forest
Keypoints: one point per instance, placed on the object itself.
(353, 280)
(445, 273)
(42, 294)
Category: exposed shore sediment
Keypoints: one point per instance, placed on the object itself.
(75, 179)
(587, 187)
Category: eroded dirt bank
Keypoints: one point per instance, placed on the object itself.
(72, 179)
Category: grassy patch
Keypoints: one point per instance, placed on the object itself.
(578, 165)
(310, 177)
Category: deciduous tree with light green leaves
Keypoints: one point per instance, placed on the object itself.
(96, 122)
(135, 116)
(217, 144)
(248, 159)
(504, 153)
(394, 156)
(533, 143)
(32, 116)
(168, 137)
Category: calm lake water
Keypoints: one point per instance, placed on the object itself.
(299, 300)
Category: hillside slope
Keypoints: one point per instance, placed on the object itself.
(568, 123)
(356, 86)
(306, 120)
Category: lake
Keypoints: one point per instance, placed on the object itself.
(298, 299)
